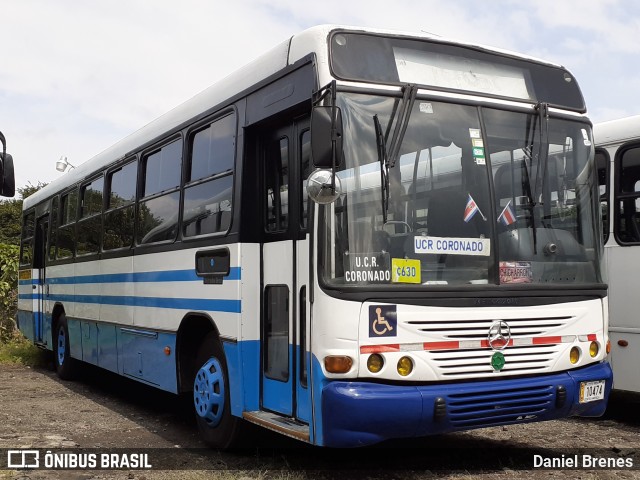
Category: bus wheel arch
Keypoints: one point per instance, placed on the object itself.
(203, 373)
(191, 333)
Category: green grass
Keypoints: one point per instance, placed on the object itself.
(19, 351)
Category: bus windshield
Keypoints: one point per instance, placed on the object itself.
(475, 196)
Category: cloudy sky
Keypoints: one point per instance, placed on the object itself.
(76, 76)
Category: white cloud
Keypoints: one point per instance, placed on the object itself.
(78, 76)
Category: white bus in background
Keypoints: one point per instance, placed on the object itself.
(618, 160)
(453, 281)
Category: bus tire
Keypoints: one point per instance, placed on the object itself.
(65, 365)
(218, 428)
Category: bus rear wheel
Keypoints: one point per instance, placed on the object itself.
(218, 428)
(65, 365)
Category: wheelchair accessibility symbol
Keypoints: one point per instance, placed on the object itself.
(383, 321)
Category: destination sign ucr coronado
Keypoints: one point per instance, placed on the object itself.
(453, 246)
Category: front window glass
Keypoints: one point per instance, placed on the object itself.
(475, 196)
(547, 200)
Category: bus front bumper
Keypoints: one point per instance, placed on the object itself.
(362, 413)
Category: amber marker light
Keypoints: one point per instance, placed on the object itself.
(375, 362)
(337, 363)
(574, 355)
(594, 348)
(608, 348)
(167, 350)
(405, 366)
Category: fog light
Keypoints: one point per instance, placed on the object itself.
(574, 355)
(375, 363)
(405, 366)
(594, 348)
(338, 364)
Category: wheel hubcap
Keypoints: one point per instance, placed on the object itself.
(62, 346)
(208, 392)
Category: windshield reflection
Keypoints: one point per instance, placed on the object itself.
(460, 212)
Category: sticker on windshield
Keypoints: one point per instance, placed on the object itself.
(426, 108)
(405, 270)
(474, 133)
(367, 267)
(515, 272)
(478, 155)
(585, 136)
(480, 247)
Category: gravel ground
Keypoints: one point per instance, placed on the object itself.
(102, 411)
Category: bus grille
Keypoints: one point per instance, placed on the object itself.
(496, 407)
(455, 329)
(474, 363)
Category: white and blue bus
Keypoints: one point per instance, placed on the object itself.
(618, 160)
(362, 235)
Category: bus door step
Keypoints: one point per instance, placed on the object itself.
(279, 423)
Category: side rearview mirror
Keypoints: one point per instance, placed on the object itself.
(323, 132)
(8, 187)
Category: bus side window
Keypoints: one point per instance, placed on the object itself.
(628, 196)
(90, 224)
(67, 229)
(55, 221)
(208, 192)
(28, 230)
(119, 217)
(158, 210)
(277, 185)
(305, 170)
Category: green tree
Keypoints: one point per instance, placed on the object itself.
(11, 215)
(8, 289)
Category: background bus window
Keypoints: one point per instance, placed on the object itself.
(628, 196)
(208, 194)
(158, 216)
(119, 218)
(602, 164)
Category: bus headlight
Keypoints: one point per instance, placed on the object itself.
(375, 363)
(405, 366)
(594, 348)
(574, 355)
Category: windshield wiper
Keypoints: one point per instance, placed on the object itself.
(388, 158)
(542, 110)
(384, 170)
(409, 93)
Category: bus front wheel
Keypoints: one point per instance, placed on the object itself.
(218, 428)
(65, 365)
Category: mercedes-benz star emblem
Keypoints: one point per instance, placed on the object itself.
(499, 335)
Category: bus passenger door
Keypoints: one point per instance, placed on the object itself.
(284, 275)
(39, 256)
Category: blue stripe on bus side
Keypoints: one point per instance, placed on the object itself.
(214, 305)
(138, 277)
